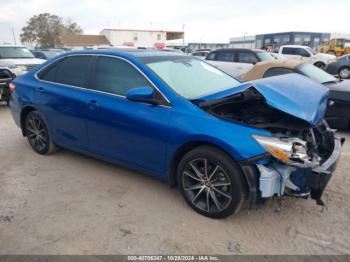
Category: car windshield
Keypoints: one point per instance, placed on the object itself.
(8, 52)
(316, 74)
(264, 56)
(189, 77)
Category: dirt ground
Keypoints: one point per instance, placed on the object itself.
(68, 203)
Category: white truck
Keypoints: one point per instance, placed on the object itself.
(306, 54)
(18, 59)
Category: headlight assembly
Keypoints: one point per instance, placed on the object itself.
(279, 149)
(292, 151)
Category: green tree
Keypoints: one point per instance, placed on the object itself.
(46, 30)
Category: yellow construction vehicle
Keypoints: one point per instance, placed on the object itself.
(337, 47)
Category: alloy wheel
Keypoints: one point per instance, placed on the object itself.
(207, 185)
(344, 73)
(36, 133)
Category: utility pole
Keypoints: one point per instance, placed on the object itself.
(14, 37)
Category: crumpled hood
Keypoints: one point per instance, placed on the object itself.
(293, 94)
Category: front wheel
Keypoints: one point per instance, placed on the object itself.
(211, 182)
(37, 134)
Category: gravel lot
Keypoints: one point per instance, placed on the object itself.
(67, 203)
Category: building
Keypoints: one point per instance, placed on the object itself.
(275, 40)
(211, 46)
(247, 41)
(79, 42)
(141, 38)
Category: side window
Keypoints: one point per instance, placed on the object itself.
(277, 71)
(302, 52)
(73, 71)
(225, 56)
(288, 51)
(247, 57)
(115, 76)
(49, 73)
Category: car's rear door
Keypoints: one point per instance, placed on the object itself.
(131, 132)
(60, 96)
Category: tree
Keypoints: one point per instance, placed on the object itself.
(46, 30)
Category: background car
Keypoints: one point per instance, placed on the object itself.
(5, 78)
(177, 118)
(18, 59)
(237, 61)
(338, 111)
(200, 54)
(306, 54)
(46, 54)
(340, 67)
(277, 56)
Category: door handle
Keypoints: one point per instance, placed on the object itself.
(93, 104)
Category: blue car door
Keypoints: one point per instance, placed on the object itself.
(132, 132)
(61, 99)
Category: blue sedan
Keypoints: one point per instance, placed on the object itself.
(179, 119)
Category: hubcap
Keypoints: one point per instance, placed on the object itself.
(207, 185)
(36, 133)
(344, 73)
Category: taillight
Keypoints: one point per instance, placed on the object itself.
(12, 87)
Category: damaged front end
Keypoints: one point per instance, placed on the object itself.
(301, 152)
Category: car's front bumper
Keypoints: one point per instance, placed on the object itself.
(318, 181)
(322, 174)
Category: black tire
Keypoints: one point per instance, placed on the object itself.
(343, 75)
(320, 65)
(38, 134)
(221, 193)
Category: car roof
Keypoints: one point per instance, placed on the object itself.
(131, 53)
(233, 49)
(260, 68)
(296, 46)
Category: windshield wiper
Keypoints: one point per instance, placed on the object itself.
(209, 103)
(330, 82)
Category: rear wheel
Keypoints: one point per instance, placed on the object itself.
(344, 72)
(211, 182)
(38, 134)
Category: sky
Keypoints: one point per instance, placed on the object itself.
(203, 20)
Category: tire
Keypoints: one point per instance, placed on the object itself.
(38, 134)
(344, 72)
(320, 65)
(217, 194)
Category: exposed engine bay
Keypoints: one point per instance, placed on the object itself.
(298, 150)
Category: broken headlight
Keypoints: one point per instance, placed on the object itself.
(292, 151)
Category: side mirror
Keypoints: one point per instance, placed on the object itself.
(142, 94)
